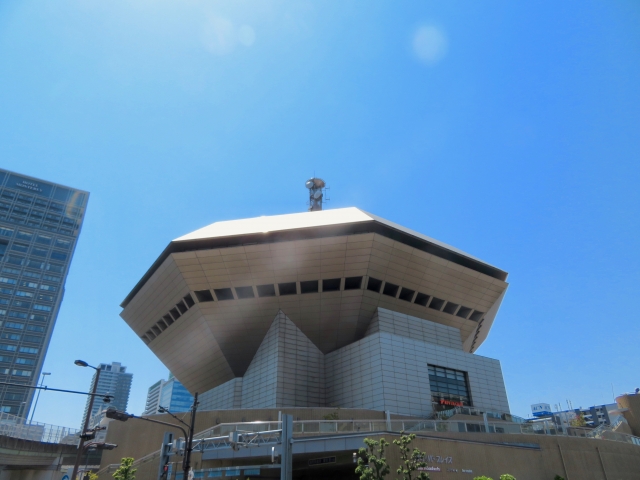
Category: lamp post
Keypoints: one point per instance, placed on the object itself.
(82, 363)
(37, 397)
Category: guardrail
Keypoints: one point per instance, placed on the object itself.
(336, 427)
(18, 427)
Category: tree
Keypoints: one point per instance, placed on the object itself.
(92, 476)
(578, 421)
(372, 464)
(411, 460)
(482, 478)
(124, 471)
(506, 476)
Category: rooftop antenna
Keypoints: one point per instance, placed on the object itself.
(316, 194)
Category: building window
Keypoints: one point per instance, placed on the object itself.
(449, 388)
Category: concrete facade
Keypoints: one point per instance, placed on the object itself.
(386, 370)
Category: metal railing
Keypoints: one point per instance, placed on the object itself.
(507, 417)
(337, 427)
(18, 427)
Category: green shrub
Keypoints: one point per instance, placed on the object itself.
(482, 478)
(506, 476)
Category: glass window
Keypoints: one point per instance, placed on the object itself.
(21, 304)
(21, 373)
(6, 291)
(28, 284)
(19, 247)
(11, 270)
(51, 278)
(24, 199)
(38, 318)
(48, 288)
(20, 293)
(15, 260)
(25, 361)
(8, 348)
(58, 256)
(52, 267)
(44, 308)
(448, 387)
(17, 326)
(35, 328)
(10, 336)
(6, 232)
(41, 203)
(45, 298)
(24, 235)
(44, 239)
(35, 264)
(26, 349)
(40, 252)
(31, 274)
(17, 314)
(32, 339)
(8, 280)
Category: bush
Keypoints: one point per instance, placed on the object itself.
(506, 476)
(482, 478)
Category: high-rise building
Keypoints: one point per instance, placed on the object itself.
(169, 394)
(39, 226)
(153, 398)
(115, 381)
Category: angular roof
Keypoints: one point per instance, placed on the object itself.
(295, 221)
(325, 223)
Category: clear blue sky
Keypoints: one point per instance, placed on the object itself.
(510, 130)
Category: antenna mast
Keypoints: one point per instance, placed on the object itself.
(316, 195)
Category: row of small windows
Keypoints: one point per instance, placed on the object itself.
(22, 315)
(15, 372)
(350, 283)
(172, 315)
(61, 194)
(419, 298)
(286, 288)
(39, 238)
(14, 348)
(304, 287)
(21, 326)
(36, 275)
(448, 384)
(35, 264)
(28, 284)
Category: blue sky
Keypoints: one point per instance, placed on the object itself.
(509, 130)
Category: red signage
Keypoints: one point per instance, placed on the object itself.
(450, 402)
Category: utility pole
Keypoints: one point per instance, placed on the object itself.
(286, 459)
(82, 363)
(186, 465)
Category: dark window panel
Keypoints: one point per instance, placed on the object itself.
(203, 296)
(374, 284)
(244, 292)
(331, 285)
(436, 303)
(353, 283)
(288, 288)
(266, 290)
(406, 294)
(223, 293)
(450, 308)
(390, 289)
(310, 286)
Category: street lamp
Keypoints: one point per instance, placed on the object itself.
(82, 363)
(33, 412)
(114, 414)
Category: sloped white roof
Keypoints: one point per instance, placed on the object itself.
(295, 221)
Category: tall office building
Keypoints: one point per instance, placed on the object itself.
(169, 394)
(39, 227)
(115, 381)
(153, 398)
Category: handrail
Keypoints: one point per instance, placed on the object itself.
(17, 427)
(328, 427)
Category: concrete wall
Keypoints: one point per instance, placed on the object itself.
(384, 371)
(632, 415)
